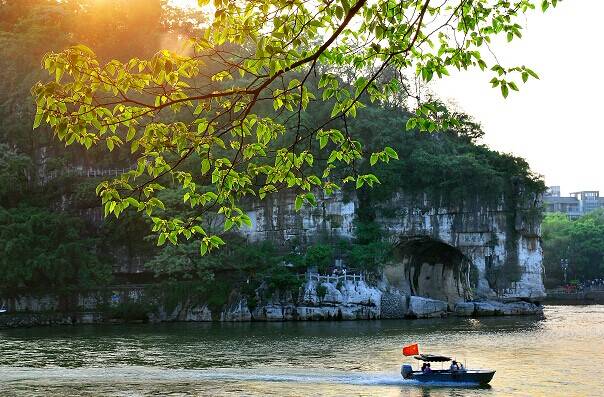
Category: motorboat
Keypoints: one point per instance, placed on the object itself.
(454, 374)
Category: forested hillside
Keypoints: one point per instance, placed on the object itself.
(52, 233)
(573, 250)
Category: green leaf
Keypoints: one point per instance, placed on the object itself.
(391, 152)
(228, 224)
(198, 230)
(310, 198)
(410, 124)
(246, 220)
(84, 49)
(130, 135)
(532, 73)
(216, 241)
(373, 159)
(323, 141)
(504, 90)
(37, 120)
(298, 203)
(205, 166)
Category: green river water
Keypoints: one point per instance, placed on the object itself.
(561, 354)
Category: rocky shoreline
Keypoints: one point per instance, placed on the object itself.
(420, 308)
(359, 301)
(351, 300)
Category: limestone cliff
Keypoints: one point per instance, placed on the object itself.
(449, 253)
(448, 259)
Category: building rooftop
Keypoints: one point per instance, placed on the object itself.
(576, 204)
(558, 199)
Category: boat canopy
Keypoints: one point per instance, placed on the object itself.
(432, 358)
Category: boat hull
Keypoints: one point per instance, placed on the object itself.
(474, 377)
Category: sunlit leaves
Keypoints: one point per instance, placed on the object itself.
(505, 83)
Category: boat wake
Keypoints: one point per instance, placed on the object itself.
(355, 378)
(132, 374)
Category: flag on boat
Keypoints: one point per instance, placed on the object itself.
(411, 350)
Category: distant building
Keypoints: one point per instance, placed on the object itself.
(553, 191)
(575, 205)
(589, 200)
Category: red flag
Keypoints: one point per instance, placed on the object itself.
(411, 350)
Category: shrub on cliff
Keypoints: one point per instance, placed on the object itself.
(319, 255)
(44, 251)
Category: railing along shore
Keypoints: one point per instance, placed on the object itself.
(335, 278)
(84, 172)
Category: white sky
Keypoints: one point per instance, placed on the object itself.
(555, 122)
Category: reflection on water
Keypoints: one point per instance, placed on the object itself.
(532, 356)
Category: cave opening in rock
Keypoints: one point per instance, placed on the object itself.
(431, 268)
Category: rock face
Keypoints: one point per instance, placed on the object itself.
(425, 308)
(394, 305)
(494, 308)
(359, 301)
(352, 301)
(442, 254)
(182, 312)
(439, 247)
(464, 309)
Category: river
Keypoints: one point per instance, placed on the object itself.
(561, 354)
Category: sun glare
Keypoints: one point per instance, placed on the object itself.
(193, 4)
(184, 3)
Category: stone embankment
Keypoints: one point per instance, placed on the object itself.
(494, 308)
(588, 297)
(349, 300)
(352, 298)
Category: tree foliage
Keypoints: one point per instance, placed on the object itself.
(204, 104)
(319, 256)
(15, 169)
(580, 242)
(370, 249)
(447, 167)
(46, 251)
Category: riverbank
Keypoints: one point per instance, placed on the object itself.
(351, 298)
(575, 298)
(419, 308)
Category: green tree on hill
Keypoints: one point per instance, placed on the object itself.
(44, 251)
(580, 242)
